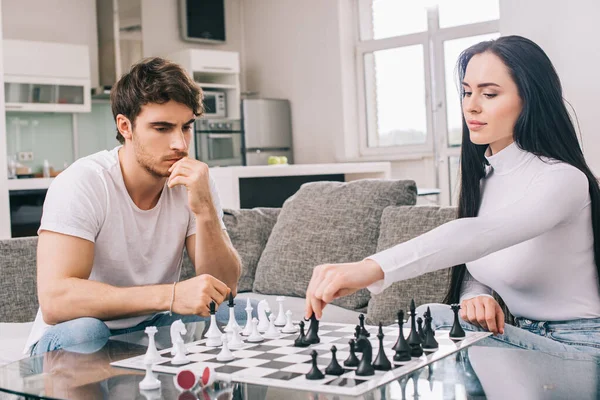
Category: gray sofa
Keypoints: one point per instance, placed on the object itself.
(324, 222)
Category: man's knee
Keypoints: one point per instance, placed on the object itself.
(71, 333)
(441, 314)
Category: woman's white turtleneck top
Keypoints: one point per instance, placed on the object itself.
(532, 241)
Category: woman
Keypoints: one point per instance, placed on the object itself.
(529, 220)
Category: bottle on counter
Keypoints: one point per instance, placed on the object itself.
(46, 169)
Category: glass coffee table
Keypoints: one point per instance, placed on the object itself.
(84, 372)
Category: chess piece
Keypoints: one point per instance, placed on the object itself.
(289, 326)
(381, 363)
(272, 332)
(363, 330)
(263, 320)
(236, 342)
(312, 336)
(180, 354)
(428, 314)
(281, 320)
(150, 382)
(357, 335)
(430, 344)
(401, 347)
(301, 339)
(213, 334)
(457, 332)
(248, 328)
(232, 323)
(255, 336)
(152, 355)
(177, 329)
(185, 380)
(314, 372)
(420, 329)
(414, 341)
(352, 360)
(334, 368)
(364, 366)
(225, 354)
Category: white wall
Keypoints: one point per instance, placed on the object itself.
(4, 200)
(63, 21)
(568, 33)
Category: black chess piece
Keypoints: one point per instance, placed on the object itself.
(381, 363)
(414, 341)
(314, 372)
(352, 360)
(420, 330)
(357, 335)
(430, 343)
(428, 314)
(364, 366)
(312, 335)
(363, 330)
(230, 303)
(457, 332)
(334, 368)
(300, 340)
(401, 347)
(213, 308)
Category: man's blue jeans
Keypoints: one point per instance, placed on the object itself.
(82, 330)
(576, 339)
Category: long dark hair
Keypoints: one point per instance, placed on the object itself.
(544, 128)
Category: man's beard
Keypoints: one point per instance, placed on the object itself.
(146, 161)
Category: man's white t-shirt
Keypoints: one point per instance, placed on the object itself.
(132, 247)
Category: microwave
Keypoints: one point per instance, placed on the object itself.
(215, 105)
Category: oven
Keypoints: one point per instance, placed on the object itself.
(219, 143)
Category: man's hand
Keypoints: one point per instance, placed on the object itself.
(193, 296)
(485, 312)
(331, 281)
(192, 174)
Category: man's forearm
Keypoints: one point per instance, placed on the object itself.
(214, 254)
(73, 298)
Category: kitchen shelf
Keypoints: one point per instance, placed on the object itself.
(216, 85)
(29, 183)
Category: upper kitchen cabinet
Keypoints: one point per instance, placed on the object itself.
(46, 77)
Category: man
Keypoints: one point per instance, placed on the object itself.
(115, 223)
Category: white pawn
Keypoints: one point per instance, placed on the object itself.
(180, 354)
(248, 328)
(225, 354)
(149, 382)
(255, 336)
(272, 332)
(236, 342)
(280, 321)
(152, 355)
(289, 326)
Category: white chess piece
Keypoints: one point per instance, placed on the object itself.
(177, 329)
(272, 332)
(213, 334)
(263, 321)
(225, 354)
(255, 336)
(152, 355)
(180, 354)
(236, 341)
(289, 326)
(280, 321)
(232, 323)
(149, 382)
(248, 328)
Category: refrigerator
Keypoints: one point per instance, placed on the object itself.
(267, 127)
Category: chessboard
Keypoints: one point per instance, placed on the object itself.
(279, 363)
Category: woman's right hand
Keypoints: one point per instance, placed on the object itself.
(485, 312)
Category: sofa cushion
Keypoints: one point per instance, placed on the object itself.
(18, 290)
(327, 222)
(399, 224)
(248, 230)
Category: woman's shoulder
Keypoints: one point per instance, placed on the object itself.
(561, 173)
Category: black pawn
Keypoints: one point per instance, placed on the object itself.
(430, 343)
(364, 366)
(334, 368)
(457, 332)
(352, 360)
(401, 347)
(312, 336)
(314, 372)
(357, 335)
(381, 363)
(414, 341)
(230, 303)
(363, 330)
(300, 340)
(420, 329)
(213, 308)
